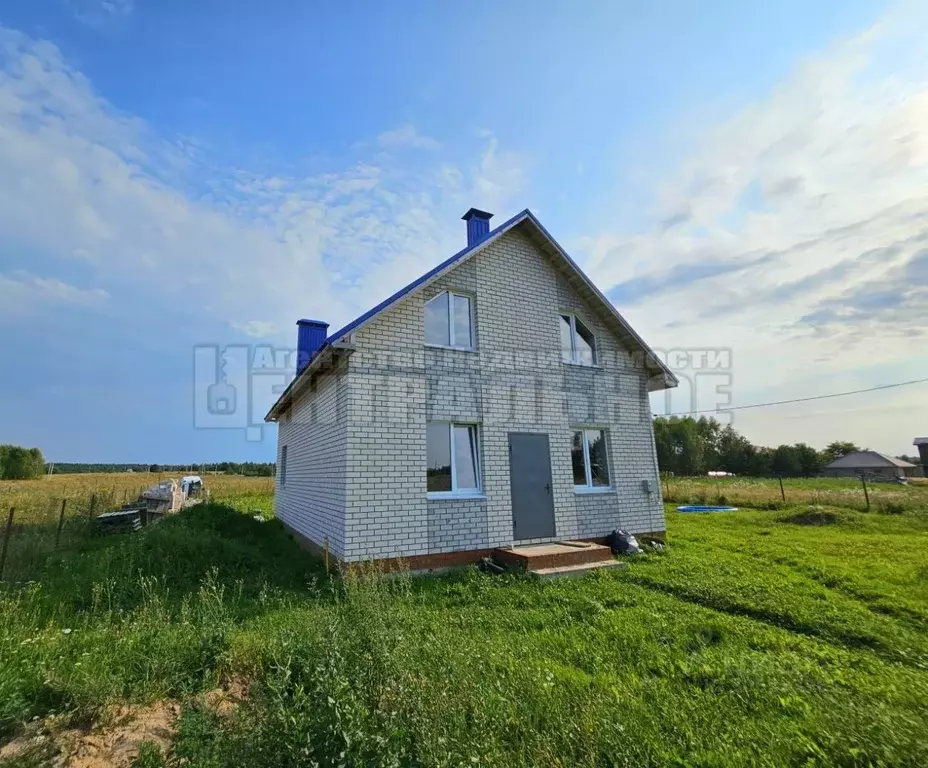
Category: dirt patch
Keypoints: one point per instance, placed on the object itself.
(224, 701)
(31, 741)
(116, 743)
(114, 740)
(113, 743)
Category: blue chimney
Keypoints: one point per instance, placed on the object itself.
(310, 337)
(478, 225)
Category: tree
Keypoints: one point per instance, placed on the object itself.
(761, 463)
(837, 449)
(686, 446)
(810, 460)
(735, 452)
(18, 463)
(786, 461)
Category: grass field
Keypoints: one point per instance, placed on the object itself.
(765, 492)
(763, 637)
(40, 500)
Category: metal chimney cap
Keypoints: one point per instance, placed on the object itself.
(477, 213)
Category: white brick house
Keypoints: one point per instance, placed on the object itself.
(499, 399)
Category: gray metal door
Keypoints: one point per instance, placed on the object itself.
(530, 483)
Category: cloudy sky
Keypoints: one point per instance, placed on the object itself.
(739, 179)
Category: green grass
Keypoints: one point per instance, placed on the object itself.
(754, 639)
(764, 493)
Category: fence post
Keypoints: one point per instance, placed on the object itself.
(6, 539)
(64, 504)
(782, 492)
(863, 482)
(93, 505)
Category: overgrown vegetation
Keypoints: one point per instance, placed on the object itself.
(18, 463)
(750, 641)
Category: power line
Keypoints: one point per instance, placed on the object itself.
(801, 399)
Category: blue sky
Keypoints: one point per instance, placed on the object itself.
(176, 174)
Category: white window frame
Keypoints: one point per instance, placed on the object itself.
(587, 466)
(455, 492)
(471, 345)
(282, 467)
(574, 358)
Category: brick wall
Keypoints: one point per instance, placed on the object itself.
(515, 381)
(315, 431)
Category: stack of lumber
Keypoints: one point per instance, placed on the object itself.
(121, 520)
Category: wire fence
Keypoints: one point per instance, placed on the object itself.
(34, 528)
(861, 493)
(60, 511)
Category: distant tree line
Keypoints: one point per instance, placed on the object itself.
(18, 463)
(250, 468)
(688, 446)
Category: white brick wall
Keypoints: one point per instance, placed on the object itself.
(316, 435)
(514, 382)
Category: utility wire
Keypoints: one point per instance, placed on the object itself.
(800, 399)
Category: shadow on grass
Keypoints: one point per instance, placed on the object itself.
(179, 551)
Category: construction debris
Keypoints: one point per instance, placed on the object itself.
(121, 521)
(166, 496)
(191, 485)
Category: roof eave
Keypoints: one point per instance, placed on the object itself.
(323, 355)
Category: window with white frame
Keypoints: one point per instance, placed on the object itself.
(453, 463)
(449, 321)
(282, 469)
(578, 344)
(590, 459)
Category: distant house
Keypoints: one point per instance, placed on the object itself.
(499, 399)
(922, 444)
(877, 466)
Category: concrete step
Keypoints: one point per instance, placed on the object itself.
(575, 571)
(534, 557)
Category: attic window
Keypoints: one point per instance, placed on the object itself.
(449, 321)
(578, 345)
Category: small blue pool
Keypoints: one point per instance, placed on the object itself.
(707, 509)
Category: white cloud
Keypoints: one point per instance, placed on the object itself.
(82, 184)
(256, 329)
(22, 293)
(796, 233)
(406, 136)
(95, 13)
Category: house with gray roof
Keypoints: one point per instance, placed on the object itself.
(877, 466)
(499, 399)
